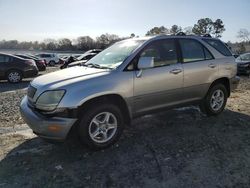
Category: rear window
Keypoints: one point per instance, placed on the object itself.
(45, 55)
(219, 46)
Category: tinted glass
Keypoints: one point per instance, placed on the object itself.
(208, 55)
(8, 59)
(219, 46)
(192, 50)
(2, 58)
(164, 52)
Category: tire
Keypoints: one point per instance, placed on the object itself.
(215, 101)
(14, 76)
(52, 63)
(92, 127)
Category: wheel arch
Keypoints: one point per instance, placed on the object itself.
(12, 69)
(108, 98)
(225, 81)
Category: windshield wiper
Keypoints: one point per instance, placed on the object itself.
(96, 66)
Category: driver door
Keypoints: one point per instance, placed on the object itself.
(161, 85)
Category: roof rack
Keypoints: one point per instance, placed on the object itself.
(181, 34)
(207, 35)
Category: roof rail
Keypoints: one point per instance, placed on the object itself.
(181, 34)
(207, 35)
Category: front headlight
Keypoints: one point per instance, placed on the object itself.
(49, 100)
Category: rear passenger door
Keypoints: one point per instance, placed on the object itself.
(199, 66)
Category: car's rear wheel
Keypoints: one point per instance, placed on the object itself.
(52, 63)
(14, 76)
(215, 100)
(101, 126)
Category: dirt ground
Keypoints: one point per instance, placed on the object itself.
(177, 148)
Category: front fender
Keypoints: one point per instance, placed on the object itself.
(119, 83)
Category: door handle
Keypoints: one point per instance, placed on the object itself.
(212, 65)
(176, 71)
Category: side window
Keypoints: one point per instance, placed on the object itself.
(219, 46)
(164, 52)
(192, 51)
(208, 55)
(5, 59)
(2, 59)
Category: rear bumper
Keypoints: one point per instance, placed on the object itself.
(54, 128)
(234, 82)
(30, 72)
(41, 67)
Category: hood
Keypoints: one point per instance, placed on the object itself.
(67, 76)
(242, 61)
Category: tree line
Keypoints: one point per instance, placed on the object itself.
(81, 43)
(203, 26)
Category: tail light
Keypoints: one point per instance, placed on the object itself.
(42, 62)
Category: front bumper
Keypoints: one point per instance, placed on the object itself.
(54, 128)
(243, 68)
(234, 82)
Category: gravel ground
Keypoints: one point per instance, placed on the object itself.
(177, 148)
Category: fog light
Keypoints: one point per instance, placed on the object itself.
(54, 128)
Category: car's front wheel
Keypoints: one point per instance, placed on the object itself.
(101, 126)
(14, 76)
(215, 100)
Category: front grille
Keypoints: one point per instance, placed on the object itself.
(31, 91)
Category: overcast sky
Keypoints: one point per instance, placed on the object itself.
(40, 19)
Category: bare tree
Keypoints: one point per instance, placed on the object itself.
(84, 43)
(65, 44)
(188, 30)
(244, 34)
(106, 39)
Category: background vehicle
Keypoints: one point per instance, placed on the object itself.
(86, 56)
(77, 63)
(67, 61)
(131, 78)
(93, 51)
(40, 63)
(81, 60)
(243, 64)
(51, 59)
(13, 68)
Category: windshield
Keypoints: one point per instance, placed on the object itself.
(113, 56)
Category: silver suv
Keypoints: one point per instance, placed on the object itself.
(129, 79)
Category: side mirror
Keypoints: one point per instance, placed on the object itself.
(145, 63)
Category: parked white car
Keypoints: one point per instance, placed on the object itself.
(51, 59)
